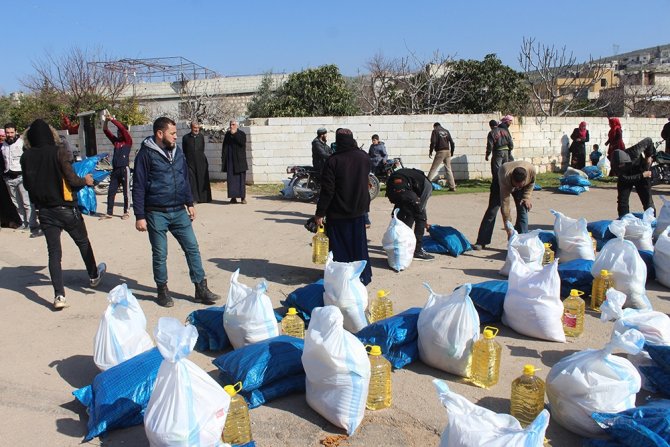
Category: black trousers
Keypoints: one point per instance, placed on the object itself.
(53, 221)
(411, 215)
(119, 176)
(643, 189)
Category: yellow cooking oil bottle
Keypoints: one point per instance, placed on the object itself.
(379, 394)
(292, 324)
(573, 314)
(320, 246)
(381, 306)
(485, 367)
(600, 285)
(594, 242)
(238, 427)
(548, 256)
(527, 396)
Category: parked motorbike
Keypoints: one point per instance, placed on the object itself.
(660, 167)
(305, 184)
(102, 187)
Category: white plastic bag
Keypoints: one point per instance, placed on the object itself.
(604, 166)
(344, 289)
(448, 325)
(337, 370)
(249, 316)
(572, 171)
(655, 326)
(470, 425)
(187, 407)
(399, 243)
(594, 380)
(533, 304)
(528, 245)
(621, 259)
(287, 190)
(640, 231)
(663, 219)
(662, 258)
(572, 238)
(122, 332)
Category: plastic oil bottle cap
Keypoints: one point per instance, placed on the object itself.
(382, 293)
(575, 292)
(529, 370)
(232, 390)
(320, 229)
(291, 311)
(490, 332)
(604, 272)
(375, 350)
(547, 245)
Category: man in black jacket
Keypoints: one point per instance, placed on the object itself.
(344, 200)
(409, 190)
(631, 167)
(49, 178)
(443, 145)
(320, 149)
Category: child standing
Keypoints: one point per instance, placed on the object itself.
(595, 155)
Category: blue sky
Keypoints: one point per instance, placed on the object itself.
(242, 38)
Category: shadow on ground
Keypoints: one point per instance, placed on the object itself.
(262, 268)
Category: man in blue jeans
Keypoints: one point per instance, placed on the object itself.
(162, 202)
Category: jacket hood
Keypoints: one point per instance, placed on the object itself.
(40, 134)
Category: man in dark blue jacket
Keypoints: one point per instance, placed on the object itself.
(162, 202)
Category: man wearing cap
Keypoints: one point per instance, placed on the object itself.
(443, 145)
(320, 149)
(631, 166)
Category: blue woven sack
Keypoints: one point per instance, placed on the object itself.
(593, 172)
(489, 299)
(86, 199)
(397, 336)
(268, 369)
(644, 426)
(574, 190)
(450, 238)
(305, 299)
(547, 236)
(575, 274)
(211, 334)
(574, 180)
(648, 258)
(432, 246)
(118, 396)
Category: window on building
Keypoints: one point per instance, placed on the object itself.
(603, 83)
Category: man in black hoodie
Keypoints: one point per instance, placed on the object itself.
(49, 179)
(632, 169)
(344, 200)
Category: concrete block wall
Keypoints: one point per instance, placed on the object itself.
(275, 143)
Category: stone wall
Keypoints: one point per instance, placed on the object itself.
(275, 143)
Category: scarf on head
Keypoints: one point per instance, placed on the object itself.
(582, 130)
(614, 125)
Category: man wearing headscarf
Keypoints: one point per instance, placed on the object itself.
(631, 166)
(50, 180)
(579, 137)
(614, 137)
(344, 200)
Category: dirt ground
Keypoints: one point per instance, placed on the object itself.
(46, 354)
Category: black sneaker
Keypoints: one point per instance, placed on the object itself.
(423, 255)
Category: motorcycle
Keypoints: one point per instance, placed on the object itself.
(660, 167)
(305, 184)
(102, 187)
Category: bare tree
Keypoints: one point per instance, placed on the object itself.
(198, 103)
(559, 85)
(79, 82)
(410, 85)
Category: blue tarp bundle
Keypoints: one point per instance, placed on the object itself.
(489, 298)
(575, 274)
(397, 336)
(305, 299)
(268, 369)
(86, 195)
(648, 258)
(436, 186)
(599, 229)
(593, 172)
(118, 396)
(550, 237)
(644, 426)
(574, 180)
(450, 238)
(211, 334)
(432, 246)
(574, 190)
(658, 375)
